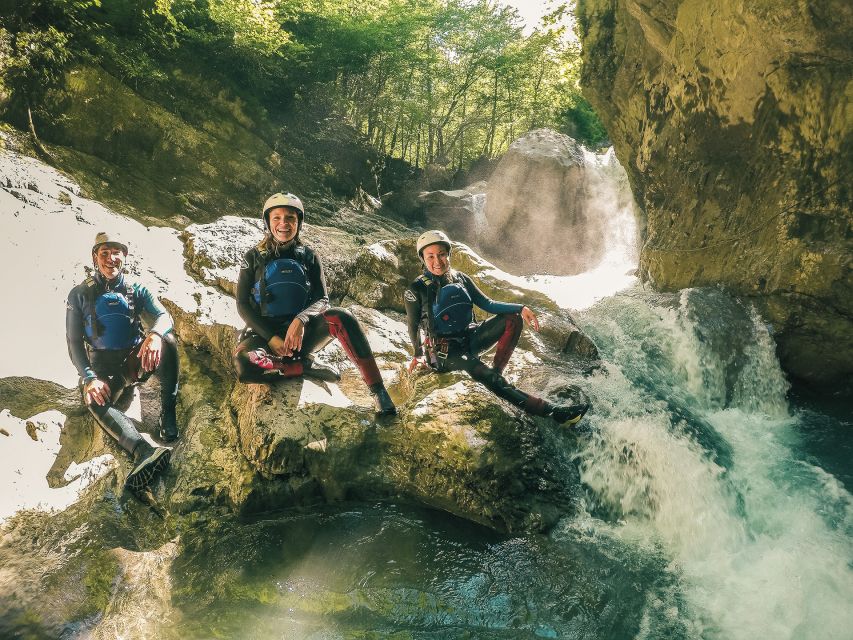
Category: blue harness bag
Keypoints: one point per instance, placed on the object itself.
(111, 322)
(283, 288)
(452, 310)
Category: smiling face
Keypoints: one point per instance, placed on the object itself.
(284, 223)
(109, 259)
(436, 258)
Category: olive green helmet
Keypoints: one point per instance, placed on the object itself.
(108, 238)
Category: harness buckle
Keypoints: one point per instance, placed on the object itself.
(441, 348)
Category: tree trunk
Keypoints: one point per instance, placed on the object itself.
(36, 142)
(490, 138)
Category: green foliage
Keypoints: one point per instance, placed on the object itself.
(428, 81)
(580, 121)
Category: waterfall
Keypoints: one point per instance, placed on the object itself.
(611, 205)
(760, 544)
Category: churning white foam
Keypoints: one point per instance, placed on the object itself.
(761, 549)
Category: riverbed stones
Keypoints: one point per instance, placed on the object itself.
(733, 122)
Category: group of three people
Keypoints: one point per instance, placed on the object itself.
(119, 334)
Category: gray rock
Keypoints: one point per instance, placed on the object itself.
(456, 212)
(537, 216)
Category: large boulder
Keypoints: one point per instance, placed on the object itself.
(458, 449)
(733, 122)
(458, 212)
(538, 218)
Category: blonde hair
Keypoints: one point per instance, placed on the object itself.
(271, 245)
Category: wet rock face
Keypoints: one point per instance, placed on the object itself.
(456, 212)
(537, 218)
(733, 122)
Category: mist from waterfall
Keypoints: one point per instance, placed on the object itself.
(609, 204)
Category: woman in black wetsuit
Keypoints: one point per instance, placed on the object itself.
(439, 305)
(282, 297)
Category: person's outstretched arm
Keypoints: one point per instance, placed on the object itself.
(493, 306)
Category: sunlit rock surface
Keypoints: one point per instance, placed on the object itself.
(81, 554)
(245, 447)
(734, 121)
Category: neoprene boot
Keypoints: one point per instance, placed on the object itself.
(149, 463)
(319, 371)
(566, 414)
(382, 401)
(168, 425)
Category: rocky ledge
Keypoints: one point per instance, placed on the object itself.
(251, 448)
(733, 121)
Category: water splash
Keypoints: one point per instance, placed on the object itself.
(761, 546)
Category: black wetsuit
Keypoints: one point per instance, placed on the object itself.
(322, 322)
(120, 367)
(460, 350)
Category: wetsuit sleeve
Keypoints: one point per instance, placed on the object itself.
(319, 299)
(485, 303)
(153, 312)
(250, 314)
(413, 320)
(75, 338)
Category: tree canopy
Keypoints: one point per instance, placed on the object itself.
(427, 81)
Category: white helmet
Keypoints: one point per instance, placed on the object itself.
(432, 237)
(108, 238)
(282, 200)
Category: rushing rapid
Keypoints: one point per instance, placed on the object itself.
(698, 455)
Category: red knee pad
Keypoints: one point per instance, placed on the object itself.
(507, 341)
(367, 366)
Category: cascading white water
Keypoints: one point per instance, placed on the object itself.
(760, 547)
(610, 203)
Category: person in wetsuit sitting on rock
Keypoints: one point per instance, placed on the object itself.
(111, 352)
(282, 297)
(440, 304)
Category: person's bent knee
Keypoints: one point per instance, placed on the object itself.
(513, 318)
(346, 317)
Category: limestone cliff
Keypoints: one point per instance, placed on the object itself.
(733, 121)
